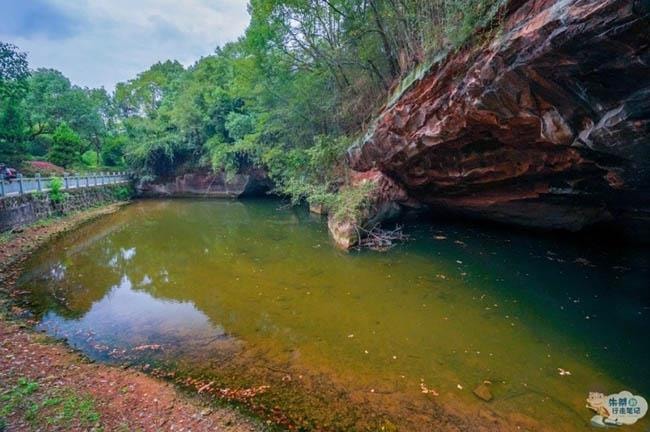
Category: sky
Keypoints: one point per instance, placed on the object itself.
(99, 43)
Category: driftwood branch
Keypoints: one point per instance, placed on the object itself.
(379, 239)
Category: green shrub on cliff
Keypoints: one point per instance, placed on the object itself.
(464, 16)
(351, 202)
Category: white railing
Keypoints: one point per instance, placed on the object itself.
(24, 185)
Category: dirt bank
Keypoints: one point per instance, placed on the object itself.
(46, 386)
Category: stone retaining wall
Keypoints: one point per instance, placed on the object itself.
(19, 211)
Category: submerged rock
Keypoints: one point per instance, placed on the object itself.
(386, 199)
(318, 209)
(482, 391)
(544, 123)
(343, 232)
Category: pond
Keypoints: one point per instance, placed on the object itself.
(249, 301)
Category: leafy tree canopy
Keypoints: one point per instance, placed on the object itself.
(289, 96)
(14, 71)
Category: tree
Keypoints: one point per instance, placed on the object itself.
(12, 147)
(13, 87)
(112, 153)
(66, 146)
(47, 101)
(143, 95)
(14, 71)
(98, 118)
(288, 96)
(52, 100)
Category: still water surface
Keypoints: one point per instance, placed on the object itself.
(217, 286)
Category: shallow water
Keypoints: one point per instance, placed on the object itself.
(197, 285)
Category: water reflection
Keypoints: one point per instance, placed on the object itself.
(197, 281)
(128, 323)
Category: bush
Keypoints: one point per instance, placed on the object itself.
(350, 202)
(312, 173)
(123, 193)
(30, 168)
(239, 125)
(89, 158)
(56, 187)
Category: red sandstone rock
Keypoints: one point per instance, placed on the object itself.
(385, 201)
(209, 184)
(546, 123)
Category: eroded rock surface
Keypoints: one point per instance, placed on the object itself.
(208, 184)
(545, 123)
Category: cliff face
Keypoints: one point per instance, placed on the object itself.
(205, 183)
(545, 123)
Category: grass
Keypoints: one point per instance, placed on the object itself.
(17, 397)
(47, 408)
(41, 223)
(69, 407)
(45, 339)
(5, 237)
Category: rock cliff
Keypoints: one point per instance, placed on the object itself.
(205, 183)
(543, 120)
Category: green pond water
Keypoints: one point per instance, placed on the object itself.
(229, 289)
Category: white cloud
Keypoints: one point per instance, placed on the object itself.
(113, 40)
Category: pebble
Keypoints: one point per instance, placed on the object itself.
(482, 391)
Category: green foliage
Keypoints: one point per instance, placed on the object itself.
(288, 96)
(61, 408)
(308, 174)
(112, 152)
(239, 125)
(12, 146)
(350, 202)
(65, 408)
(123, 193)
(89, 159)
(56, 190)
(144, 94)
(17, 397)
(29, 119)
(464, 16)
(65, 146)
(14, 71)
